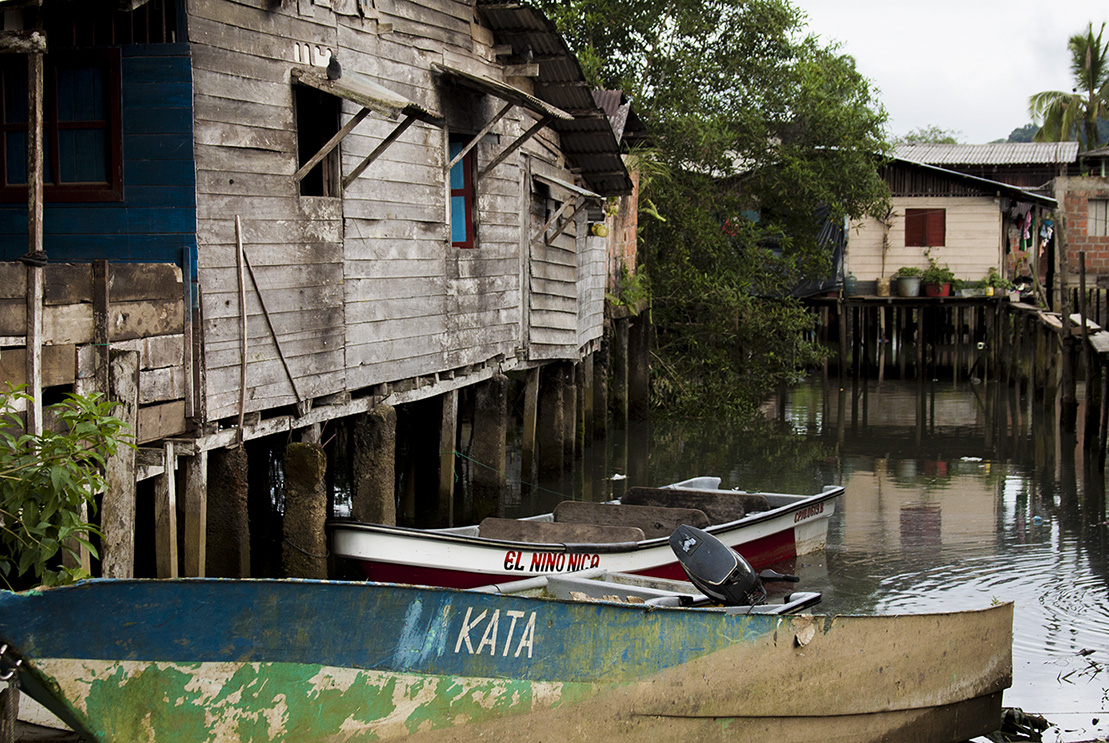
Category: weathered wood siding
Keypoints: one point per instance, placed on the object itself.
(245, 148)
(973, 239)
(365, 288)
(145, 313)
(156, 221)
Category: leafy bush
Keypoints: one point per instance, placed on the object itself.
(997, 281)
(45, 479)
(937, 273)
(908, 272)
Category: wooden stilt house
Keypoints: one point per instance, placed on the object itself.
(288, 210)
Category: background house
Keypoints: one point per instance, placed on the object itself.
(969, 223)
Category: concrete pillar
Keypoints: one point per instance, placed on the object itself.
(551, 427)
(304, 551)
(490, 432)
(619, 373)
(448, 434)
(117, 514)
(587, 398)
(583, 401)
(373, 467)
(569, 414)
(600, 391)
(639, 367)
(528, 435)
(228, 520)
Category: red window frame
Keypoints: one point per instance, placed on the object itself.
(13, 71)
(465, 191)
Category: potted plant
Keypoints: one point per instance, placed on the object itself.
(908, 281)
(996, 283)
(937, 279)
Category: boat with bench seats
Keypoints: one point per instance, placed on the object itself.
(628, 535)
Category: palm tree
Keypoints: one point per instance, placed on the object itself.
(1074, 115)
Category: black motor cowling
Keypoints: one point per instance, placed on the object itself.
(717, 570)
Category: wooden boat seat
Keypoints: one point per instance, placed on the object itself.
(653, 520)
(549, 532)
(720, 506)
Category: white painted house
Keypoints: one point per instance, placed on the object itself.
(971, 224)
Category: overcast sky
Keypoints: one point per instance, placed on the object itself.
(963, 65)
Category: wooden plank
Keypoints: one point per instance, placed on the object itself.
(196, 515)
(550, 532)
(68, 283)
(59, 365)
(719, 506)
(133, 282)
(160, 421)
(117, 515)
(655, 521)
(165, 516)
(146, 318)
(160, 385)
(70, 323)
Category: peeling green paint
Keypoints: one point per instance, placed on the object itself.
(161, 702)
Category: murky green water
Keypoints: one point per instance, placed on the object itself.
(956, 496)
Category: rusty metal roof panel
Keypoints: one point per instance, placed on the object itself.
(588, 140)
(1000, 153)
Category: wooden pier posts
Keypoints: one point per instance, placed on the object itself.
(117, 515)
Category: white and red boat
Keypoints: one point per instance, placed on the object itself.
(628, 536)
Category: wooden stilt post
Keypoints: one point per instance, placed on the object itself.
(165, 516)
(196, 515)
(117, 515)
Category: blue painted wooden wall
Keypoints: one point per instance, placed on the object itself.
(156, 221)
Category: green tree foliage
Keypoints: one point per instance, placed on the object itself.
(1024, 133)
(1074, 116)
(930, 135)
(757, 124)
(44, 481)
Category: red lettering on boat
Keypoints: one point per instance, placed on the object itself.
(808, 512)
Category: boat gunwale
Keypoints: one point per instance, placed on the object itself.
(573, 547)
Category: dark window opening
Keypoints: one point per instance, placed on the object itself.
(462, 193)
(92, 24)
(82, 133)
(317, 121)
(925, 228)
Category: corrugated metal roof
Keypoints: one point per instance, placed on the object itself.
(985, 185)
(588, 140)
(1001, 153)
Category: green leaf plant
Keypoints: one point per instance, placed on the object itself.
(46, 478)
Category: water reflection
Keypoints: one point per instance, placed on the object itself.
(956, 496)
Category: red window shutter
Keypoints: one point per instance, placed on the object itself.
(914, 227)
(925, 228)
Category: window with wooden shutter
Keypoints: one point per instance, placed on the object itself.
(925, 228)
(1098, 224)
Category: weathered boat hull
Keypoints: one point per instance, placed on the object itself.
(391, 554)
(219, 660)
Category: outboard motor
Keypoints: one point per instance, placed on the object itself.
(718, 571)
